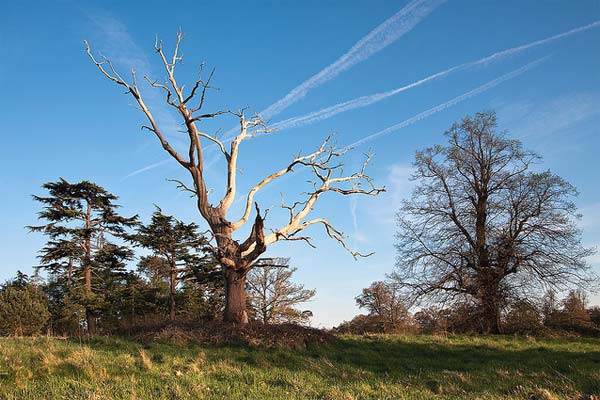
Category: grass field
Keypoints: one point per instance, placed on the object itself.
(377, 367)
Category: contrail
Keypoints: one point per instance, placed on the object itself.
(429, 112)
(540, 42)
(448, 104)
(364, 101)
(379, 38)
(358, 102)
(146, 168)
(367, 100)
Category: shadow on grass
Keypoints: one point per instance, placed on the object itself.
(476, 367)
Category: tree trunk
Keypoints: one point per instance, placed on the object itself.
(70, 273)
(172, 292)
(491, 317)
(89, 315)
(91, 322)
(235, 297)
(87, 272)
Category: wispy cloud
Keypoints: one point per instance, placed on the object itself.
(594, 260)
(111, 37)
(357, 235)
(545, 118)
(590, 220)
(398, 188)
(440, 107)
(367, 100)
(376, 40)
(353, 206)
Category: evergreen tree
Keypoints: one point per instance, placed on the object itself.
(177, 254)
(23, 307)
(80, 218)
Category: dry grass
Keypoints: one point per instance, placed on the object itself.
(349, 367)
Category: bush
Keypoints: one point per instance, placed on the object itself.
(573, 316)
(23, 310)
(284, 336)
(433, 320)
(365, 324)
(594, 313)
(523, 317)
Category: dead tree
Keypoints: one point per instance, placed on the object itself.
(237, 257)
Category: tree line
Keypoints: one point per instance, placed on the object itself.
(89, 287)
(485, 225)
(388, 312)
(483, 245)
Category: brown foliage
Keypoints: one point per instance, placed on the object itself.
(259, 335)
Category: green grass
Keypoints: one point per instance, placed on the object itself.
(378, 367)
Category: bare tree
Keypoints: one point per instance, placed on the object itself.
(384, 301)
(237, 257)
(482, 225)
(574, 311)
(273, 295)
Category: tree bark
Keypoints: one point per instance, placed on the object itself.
(235, 297)
(172, 292)
(91, 322)
(87, 272)
(491, 317)
(70, 273)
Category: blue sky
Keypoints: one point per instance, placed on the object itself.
(345, 59)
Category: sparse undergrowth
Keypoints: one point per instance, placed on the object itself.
(347, 367)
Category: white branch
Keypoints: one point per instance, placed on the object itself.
(303, 160)
(324, 170)
(115, 77)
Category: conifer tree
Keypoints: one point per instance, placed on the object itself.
(177, 253)
(81, 219)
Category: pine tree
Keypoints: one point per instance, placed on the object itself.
(23, 307)
(177, 253)
(80, 219)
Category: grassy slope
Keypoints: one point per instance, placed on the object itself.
(421, 367)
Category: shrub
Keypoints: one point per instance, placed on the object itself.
(23, 310)
(523, 317)
(364, 324)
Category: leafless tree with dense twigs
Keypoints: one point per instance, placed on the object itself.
(273, 294)
(482, 225)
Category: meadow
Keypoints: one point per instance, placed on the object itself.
(347, 367)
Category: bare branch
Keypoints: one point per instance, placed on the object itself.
(183, 186)
(332, 232)
(302, 160)
(115, 77)
(318, 161)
